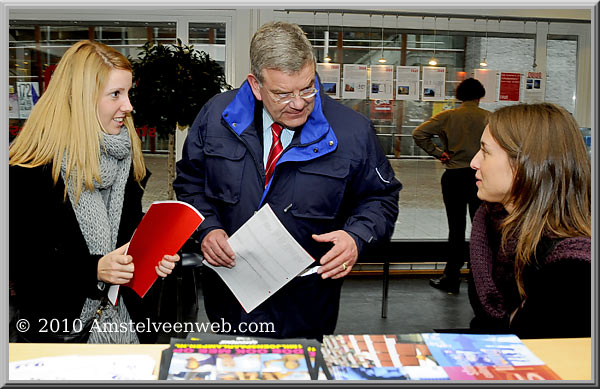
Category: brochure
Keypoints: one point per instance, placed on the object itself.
(221, 357)
(165, 227)
(433, 356)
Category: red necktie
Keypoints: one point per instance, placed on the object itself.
(274, 153)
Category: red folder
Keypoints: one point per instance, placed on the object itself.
(164, 229)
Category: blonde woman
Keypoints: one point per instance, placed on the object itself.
(530, 241)
(76, 183)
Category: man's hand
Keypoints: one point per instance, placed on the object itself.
(216, 250)
(445, 157)
(338, 261)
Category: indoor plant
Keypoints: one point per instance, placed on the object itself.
(170, 85)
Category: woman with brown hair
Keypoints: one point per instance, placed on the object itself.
(76, 183)
(531, 238)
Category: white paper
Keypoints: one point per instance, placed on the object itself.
(266, 258)
(535, 88)
(84, 367)
(434, 83)
(13, 103)
(329, 73)
(407, 82)
(355, 82)
(113, 294)
(489, 80)
(382, 82)
(28, 94)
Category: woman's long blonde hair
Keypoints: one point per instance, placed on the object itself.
(64, 122)
(551, 191)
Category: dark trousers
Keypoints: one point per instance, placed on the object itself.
(306, 307)
(459, 191)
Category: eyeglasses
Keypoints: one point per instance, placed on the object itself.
(286, 98)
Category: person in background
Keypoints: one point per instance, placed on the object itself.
(76, 183)
(459, 130)
(279, 140)
(530, 240)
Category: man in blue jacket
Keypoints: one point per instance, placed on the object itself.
(318, 164)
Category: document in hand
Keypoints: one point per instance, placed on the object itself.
(266, 258)
(164, 229)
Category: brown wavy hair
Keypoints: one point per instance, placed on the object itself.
(551, 190)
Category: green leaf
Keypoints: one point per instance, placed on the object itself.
(171, 83)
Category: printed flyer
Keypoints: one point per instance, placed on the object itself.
(329, 74)
(535, 87)
(434, 83)
(220, 358)
(432, 356)
(382, 82)
(13, 103)
(510, 86)
(355, 82)
(407, 82)
(28, 94)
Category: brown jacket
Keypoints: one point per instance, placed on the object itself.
(459, 130)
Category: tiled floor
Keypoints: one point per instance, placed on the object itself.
(421, 216)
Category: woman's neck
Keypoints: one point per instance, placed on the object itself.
(509, 207)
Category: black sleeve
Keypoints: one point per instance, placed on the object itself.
(49, 262)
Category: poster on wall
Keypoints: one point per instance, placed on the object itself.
(28, 95)
(434, 83)
(329, 73)
(407, 82)
(382, 111)
(13, 103)
(355, 82)
(535, 87)
(510, 86)
(488, 79)
(382, 82)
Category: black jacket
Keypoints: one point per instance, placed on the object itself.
(49, 263)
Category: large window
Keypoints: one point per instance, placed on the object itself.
(561, 70)
(458, 44)
(36, 47)
(459, 52)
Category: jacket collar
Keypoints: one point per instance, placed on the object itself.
(239, 114)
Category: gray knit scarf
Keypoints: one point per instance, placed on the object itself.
(98, 213)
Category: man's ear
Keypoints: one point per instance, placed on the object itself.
(255, 85)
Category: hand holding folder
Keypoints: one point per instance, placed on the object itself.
(164, 229)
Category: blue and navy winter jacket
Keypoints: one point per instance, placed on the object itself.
(334, 174)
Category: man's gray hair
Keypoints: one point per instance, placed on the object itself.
(281, 46)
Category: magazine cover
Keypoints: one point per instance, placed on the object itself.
(221, 357)
(311, 346)
(380, 357)
(435, 356)
(487, 357)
